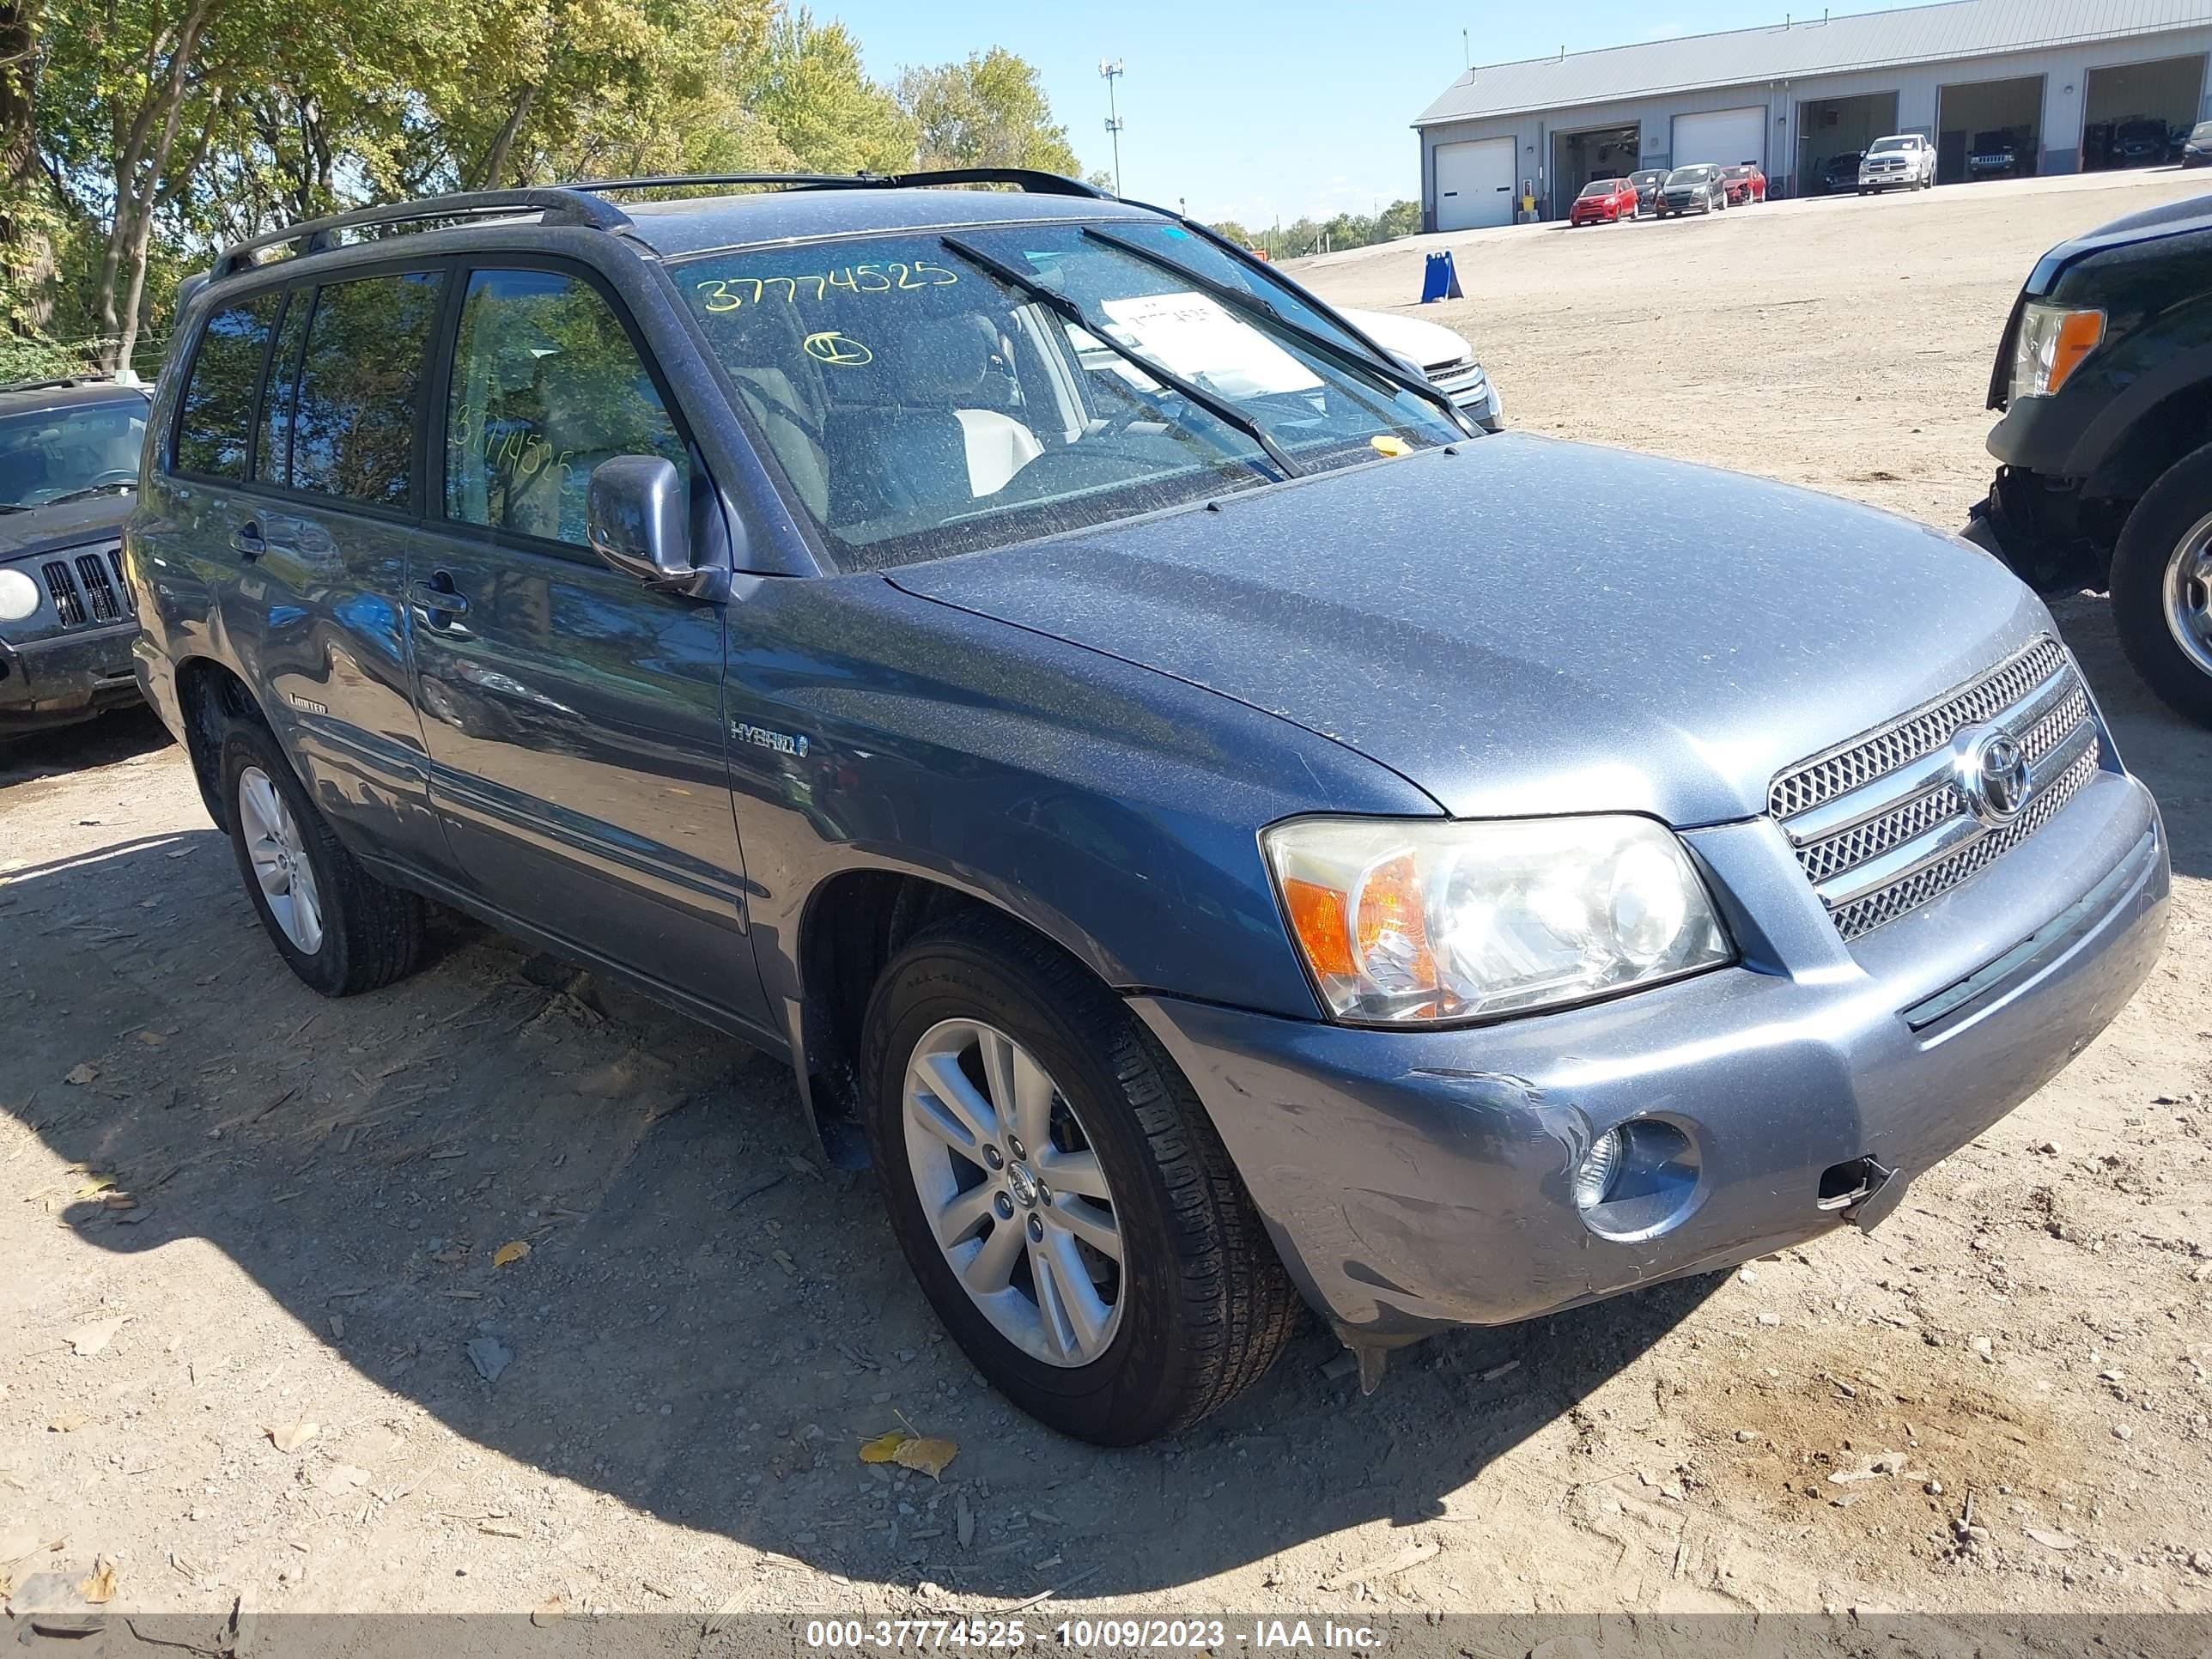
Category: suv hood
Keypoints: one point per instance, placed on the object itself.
(43, 529)
(1527, 626)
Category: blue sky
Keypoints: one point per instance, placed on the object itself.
(1250, 109)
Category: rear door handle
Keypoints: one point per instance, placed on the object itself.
(436, 601)
(246, 541)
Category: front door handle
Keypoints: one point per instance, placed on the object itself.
(246, 541)
(437, 602)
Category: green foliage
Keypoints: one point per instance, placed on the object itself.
(987, 112)
(1313, 236)
(164, 129)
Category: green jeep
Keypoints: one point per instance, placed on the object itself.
(2105, 377)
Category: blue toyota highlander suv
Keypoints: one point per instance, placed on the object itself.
(1213, 828)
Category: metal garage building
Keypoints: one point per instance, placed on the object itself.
(2062, 80)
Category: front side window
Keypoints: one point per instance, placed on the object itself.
(360, 376)
(924, 401)
(71, 454)
(546, 385)
(217, 406)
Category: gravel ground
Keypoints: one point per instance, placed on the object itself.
(254, 1340)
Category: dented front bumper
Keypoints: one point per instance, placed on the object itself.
(1414, 1179)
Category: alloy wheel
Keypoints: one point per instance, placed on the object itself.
(273, 843)
(1014, 1192)
(2188, 595)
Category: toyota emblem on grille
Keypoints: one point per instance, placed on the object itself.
(1992, 774)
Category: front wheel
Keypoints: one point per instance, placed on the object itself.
(1060, 1192)
(2162, 587)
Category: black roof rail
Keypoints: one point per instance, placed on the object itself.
(553, 204)
(1030, 179)
(580, 204)
(61, 382)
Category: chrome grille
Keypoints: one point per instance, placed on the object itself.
(1864, 759)
(1881, 827)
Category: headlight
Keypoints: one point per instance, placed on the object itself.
(1411, 922)
(2053, 340)
(19, 596)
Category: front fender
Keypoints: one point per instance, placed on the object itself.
(1114, 809)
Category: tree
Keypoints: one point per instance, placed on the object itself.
(26, 217)
(987, 112)
(809, 87)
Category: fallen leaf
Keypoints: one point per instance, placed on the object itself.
(94, 1187)
(89, 1340)
(783, 1260)
(927, 1455)
(81, 1073)
(67, 1423)
(2052, 1540)
(118, 1201)
(883, 1448)
(290, 1436)
(548, 1611)
(152, 1039)
(510, 1253)
(100, 1586)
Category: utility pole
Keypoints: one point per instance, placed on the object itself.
(1110, 70)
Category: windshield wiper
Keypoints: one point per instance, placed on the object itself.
(1258, 305)
(87, 493)
(1065, 308)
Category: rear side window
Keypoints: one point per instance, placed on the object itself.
(360, 382)
(216, 411)
(546, 385)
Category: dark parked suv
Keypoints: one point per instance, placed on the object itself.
(69, 469)
(2104, 378)
(1209, 825)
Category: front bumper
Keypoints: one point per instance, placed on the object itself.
(65, 679)
(1416, 1180)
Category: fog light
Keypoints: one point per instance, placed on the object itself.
(1639, 1179)
(1593, 1180)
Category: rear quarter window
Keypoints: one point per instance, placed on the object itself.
(216, 410)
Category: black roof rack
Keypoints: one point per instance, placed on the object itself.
(555, 205)
(1030, 179)
(62, 382)
(580, 204)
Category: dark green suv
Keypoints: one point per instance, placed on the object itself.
(2105, 377)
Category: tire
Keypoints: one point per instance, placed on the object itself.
(2173, 517)
(365, 934)
(1200, 1304)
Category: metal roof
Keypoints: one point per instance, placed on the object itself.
(1801, 49)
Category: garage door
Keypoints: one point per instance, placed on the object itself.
(1721, 136)
(1474, 184)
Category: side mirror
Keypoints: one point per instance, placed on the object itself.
(637, 518)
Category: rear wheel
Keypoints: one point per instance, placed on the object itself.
(339, 928)
(2162, 586)
(1060, 1192)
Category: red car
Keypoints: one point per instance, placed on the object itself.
(1603, 202)
(1746, 184)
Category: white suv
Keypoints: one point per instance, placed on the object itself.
(1906, 160)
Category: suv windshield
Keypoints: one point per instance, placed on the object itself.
(929, 394)
(62, 454)
(1700, 174)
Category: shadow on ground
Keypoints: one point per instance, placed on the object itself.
(709, 1323)
(100, 742)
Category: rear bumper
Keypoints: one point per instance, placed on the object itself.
(65, 679)
(1418, 1179)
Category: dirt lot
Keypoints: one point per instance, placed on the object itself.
(249, 1236)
